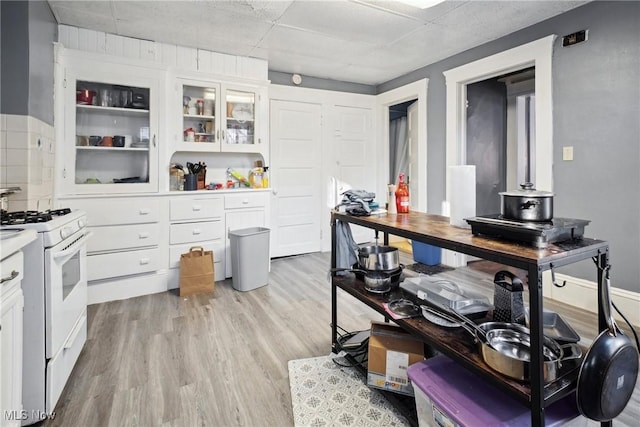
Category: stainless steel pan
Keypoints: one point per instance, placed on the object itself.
(506, 347)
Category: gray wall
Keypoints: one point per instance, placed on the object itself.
(596, 109)
(14, 59)
(27, 34)
(280, 78)
(43, 31)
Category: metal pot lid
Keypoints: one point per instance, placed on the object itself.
(527, 190)
(404, 307)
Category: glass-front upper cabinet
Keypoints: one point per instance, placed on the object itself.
(240, 107)
(110, 132)
(218, 117)
(200, 117)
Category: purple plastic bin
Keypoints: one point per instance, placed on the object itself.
(446, 391)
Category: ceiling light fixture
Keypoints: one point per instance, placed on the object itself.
(422, 4)
(296, 79)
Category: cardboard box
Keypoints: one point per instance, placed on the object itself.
(391, 351)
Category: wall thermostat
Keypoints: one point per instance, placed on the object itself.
(296, 79)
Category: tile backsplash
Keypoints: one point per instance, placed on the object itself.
(27, 158)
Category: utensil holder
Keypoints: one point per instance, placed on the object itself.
(190, 182)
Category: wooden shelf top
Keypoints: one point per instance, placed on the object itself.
(436, 230)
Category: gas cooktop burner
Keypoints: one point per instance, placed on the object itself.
(538, 234)
(30, 217)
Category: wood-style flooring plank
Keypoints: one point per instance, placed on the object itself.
(220, 359)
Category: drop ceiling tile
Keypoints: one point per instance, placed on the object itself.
(85, 19)
(294, 41)
(306, 65)
(348, 20)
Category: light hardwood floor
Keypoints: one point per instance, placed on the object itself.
(220, 359)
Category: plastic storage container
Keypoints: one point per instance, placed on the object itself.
(426, 254)
(249, 258)
(447, 394)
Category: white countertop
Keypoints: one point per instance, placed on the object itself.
(12, 240)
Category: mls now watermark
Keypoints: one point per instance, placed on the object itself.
(23, 415)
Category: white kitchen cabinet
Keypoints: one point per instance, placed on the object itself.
(110, 118)
(197, 222)
(244, 210)
(11, 304)
(127, 236)
(220, 117)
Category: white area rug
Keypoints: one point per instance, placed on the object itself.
(324, 394)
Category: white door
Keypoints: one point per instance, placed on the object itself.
(412, 134)
(354, 153)
(296, 174)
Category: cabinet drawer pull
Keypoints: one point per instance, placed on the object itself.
(143, 235)
(144, 211)
(196, 208)
(12, 276)
(144, 261)
(196, 231)
(245, 202)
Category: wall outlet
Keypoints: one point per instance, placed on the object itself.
(567, 153)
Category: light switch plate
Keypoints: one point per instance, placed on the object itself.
(567, 153)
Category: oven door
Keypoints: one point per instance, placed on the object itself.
(65, 289)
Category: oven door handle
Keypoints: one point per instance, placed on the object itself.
(72, 338)
(74, 246)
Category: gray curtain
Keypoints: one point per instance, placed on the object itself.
(398, 149)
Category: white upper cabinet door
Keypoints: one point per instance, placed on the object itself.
(200, 115)
(111, 134)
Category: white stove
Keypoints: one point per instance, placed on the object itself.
(55, 304)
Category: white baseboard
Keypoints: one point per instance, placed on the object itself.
(584, 294)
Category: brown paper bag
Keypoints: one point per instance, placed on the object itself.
(196, 271)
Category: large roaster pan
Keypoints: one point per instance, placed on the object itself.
(609, 372)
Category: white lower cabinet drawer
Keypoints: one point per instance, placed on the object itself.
(190, 232)
(118, 211)
(195, 209)
(120, 237)
(105, 266)
(247, 200)
(218, 255)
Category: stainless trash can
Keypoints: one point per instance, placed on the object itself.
(249, 258)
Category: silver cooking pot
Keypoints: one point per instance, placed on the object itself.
(380, 258)
(527, 204)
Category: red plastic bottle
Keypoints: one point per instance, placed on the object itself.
(402, 196)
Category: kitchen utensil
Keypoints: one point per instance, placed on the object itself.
(507, 298)
(609, 372)
(139, 100)
(375, 281)
(190, 182)
(448, 294)
(85, 96)
(505, 347)
(404, 307)
(555, 327)
(377, 257)
(527, 204)
(439, 319)
(119, 141)
(105, 98)
(107, 141)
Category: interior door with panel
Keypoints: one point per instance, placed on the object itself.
(296, 177)
(354, 151)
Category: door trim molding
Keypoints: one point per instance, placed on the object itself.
(416, 90)
(537, 53)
